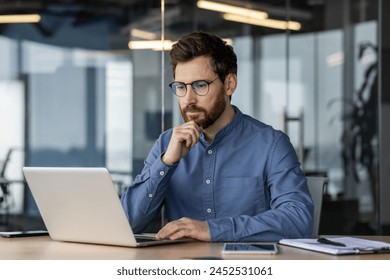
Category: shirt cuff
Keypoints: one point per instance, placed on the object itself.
(221, 230)
(161, 173)
(169, 165)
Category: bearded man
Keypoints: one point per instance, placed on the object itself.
(222, 175)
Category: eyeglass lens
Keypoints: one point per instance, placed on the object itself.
(180, 89)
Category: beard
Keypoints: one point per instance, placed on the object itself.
(209, 117)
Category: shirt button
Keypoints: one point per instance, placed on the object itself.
(208, 210)
(210, 152)
(208, 181)
(162, 173)
(150, 195)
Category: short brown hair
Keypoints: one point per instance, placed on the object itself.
(223, 58)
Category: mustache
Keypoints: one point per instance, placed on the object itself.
(192, 108)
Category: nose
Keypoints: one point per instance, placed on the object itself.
(190, 96)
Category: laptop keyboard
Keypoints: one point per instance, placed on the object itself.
(141, 239)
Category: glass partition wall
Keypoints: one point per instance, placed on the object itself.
(95, 97)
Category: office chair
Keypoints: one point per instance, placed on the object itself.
(4, 185)
(316, 187)
(5, 194)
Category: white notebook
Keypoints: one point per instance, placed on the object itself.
(352, 245)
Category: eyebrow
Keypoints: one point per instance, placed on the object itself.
(207, 80)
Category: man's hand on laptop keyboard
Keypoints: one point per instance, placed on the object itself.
(185, 228)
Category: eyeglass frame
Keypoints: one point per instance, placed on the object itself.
(192, 86)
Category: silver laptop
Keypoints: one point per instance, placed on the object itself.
(82, 205)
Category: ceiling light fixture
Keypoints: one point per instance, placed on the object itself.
(236, 10)
(156, 45)
(27, 18)
(135, 32)
(271, 23)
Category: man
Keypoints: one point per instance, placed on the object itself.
(222, 175)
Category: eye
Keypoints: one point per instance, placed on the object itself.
(200, 84)
(180, 86)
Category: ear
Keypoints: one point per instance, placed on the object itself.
(230, 84)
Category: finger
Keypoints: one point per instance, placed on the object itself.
(181, 233)
(197, 129)
(187, 135)
(195, 137)
(194, 131)
(183, 136)
(168, 230)
(183, 227)
(190, 139)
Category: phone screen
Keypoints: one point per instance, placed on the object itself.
(249, 248)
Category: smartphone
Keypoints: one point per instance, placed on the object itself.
(249, 248)
(23, 233)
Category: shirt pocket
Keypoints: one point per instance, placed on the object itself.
(240, 196)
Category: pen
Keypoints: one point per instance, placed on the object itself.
(330, 242)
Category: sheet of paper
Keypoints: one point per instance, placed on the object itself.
(352, 245)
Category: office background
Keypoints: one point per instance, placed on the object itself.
(75, 90)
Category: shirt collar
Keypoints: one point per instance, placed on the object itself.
(228, 128)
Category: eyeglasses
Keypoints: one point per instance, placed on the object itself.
(200, 87)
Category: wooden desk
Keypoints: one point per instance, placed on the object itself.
(43, 248)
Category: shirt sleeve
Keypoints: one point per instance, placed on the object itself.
(291, 207)
(143, 199)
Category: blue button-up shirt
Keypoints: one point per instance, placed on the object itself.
(247, 184)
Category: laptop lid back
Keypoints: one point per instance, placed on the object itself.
(79, 205)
